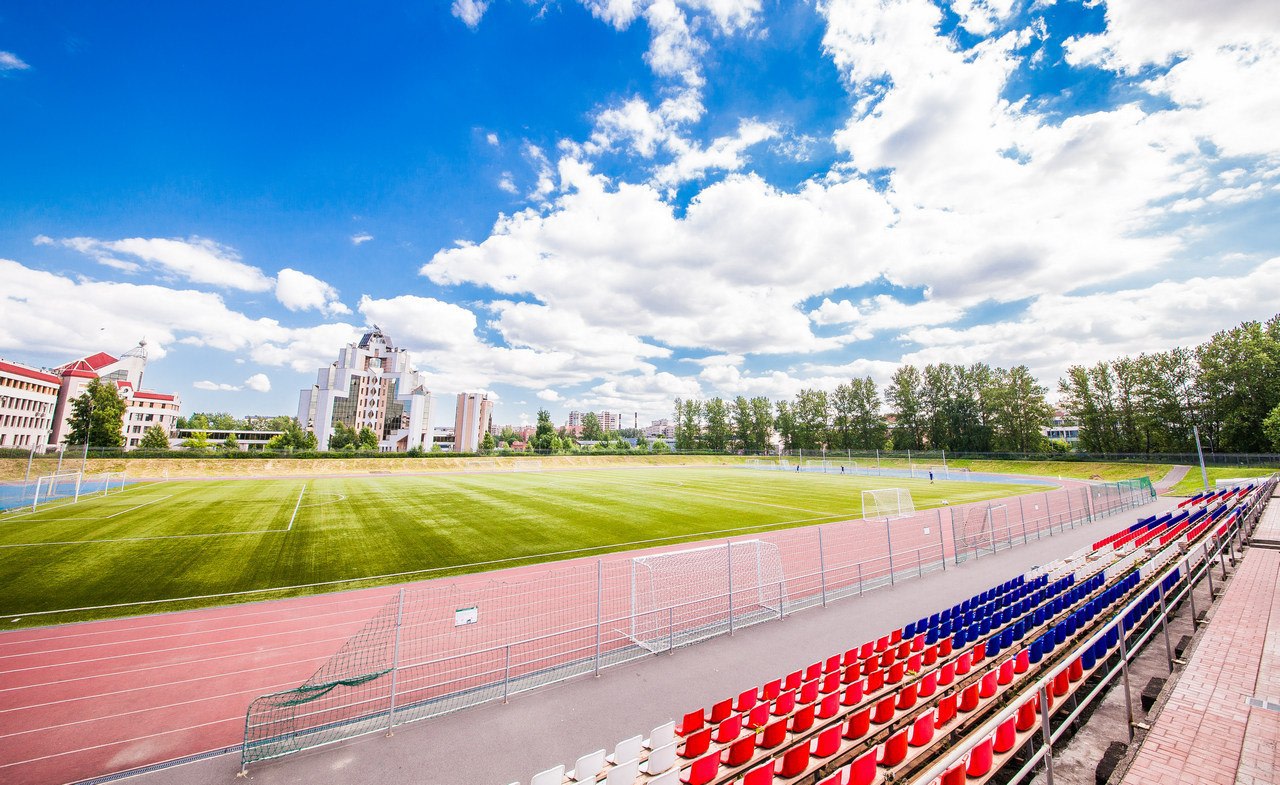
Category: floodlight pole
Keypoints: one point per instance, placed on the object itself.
(1204, 473)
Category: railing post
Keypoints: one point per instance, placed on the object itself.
(599, 608)
(1124, 671)
(1022, 515)
(859, 579)
(889, 539)
(728, 547)
(395, 662)
(822, 568)
(955, 540)
(942, 542)
(1047, 734)
(506, 673)
(1164, 627)
(919, 565)
(1048, 513)
(1071, 514)
(1191, 592)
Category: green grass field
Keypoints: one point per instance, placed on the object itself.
(187, 539)
(1193, 483)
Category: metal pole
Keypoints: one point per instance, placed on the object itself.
(955, 541)
(62, 450)
(877, 461)
(991, 516)
(911, 466)
(88, 431)
(889, 539)
(1124, 670)
(822, 568)
(1071, 514)
(728, 547)
(1047, 734)
(30, 458)
(945, 471)
(395, 664)
(942, 543)
(1191, 592)
(599, 608)
(671, 630)
(506, 673)
(859, 579)
(1164, 627)
(1208, 572)
(919, 565)
(1047, 513)
(1088, 505)
(1022, 514)
(1204, 473)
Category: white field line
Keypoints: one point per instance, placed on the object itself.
(139, 539)
(105, 517)
(11, 515)
(605, 547)
(295, 508)
(340, 497)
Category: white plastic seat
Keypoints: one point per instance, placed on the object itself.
(588, 766)
(624, 773)
(661, 736)
(670, 778)
(549, 777)
(660, 759)
(627, 749)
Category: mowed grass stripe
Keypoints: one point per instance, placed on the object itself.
(353, 528)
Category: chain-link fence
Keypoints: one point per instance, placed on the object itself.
(442, 648)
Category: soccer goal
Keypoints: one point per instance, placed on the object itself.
(679, 597)
(56, 486)
(112, 482)
(528, 465)
(984, 529)
(887, 503)
(783, 463)
(820, 466)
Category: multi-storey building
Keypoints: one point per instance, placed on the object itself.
(575, 419)
(610, 421)
(143, 408)
(470, 421)
(372, 384)
(662, 429)
(27, 400)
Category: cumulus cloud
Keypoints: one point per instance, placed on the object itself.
(299, 291)
(549, 395)
(195, 259)
(11, 62)
(470, 11)
(257, 383)
(361, 238)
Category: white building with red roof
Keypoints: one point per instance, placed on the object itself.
(143, 408)
(27, 400)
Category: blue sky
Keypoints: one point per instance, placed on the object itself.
(611, 203)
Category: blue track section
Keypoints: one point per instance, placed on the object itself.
(13, 495)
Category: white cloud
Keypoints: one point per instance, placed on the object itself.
(11, 62)
(830, 312)
(470, 11)
(549, 395)
(258, 383)
(361, 238)
(506, 183)
(214, 386)
(492, 139)
(195, 259)
(299, 291)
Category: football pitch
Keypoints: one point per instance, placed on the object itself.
(262, 539)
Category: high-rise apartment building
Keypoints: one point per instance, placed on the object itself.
(372, 385)
(27, 400)
(575, 419)
(143, 408)
(470, 421)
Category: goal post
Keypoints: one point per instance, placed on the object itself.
(823, 466)
(112, 482)
(887, 503)
(56, 486)
(528, 465)
(682, 596)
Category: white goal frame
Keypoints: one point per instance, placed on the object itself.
(528, 465)
(888, 503)
(50, 483)
(108, 478)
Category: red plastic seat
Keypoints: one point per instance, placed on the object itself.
(964, 663)
(720, 711)
(849, 658)
(915, 663)
(874, 682)
(866, 651)
(947, 674)
(969, 698)
(852, 673)
(760, 775)
(944, 647)
(922, 729)
(931, 654)
(863, 770)
(988, 684)
(852, 694)
(1027, 714)
(771, 690)
(1076, 669)
(904, 650)
(896, 671)
(759, 716)
(794, 762)
(836, 777)
(1062, 683)
(1006, 735)
(1022, 662)
(1005, 674)
(907, 696)
(746, 701)
(888, 658)
(830, 683)
(929, 684)
(729, 729)
(774, 734)
(946, 710)
(954, 775)
(813, 671)
(832, 664)
(980, 651)
(882, 643)
(802, 720)
(794, 680)
(691, 722)
(808, 692)
(895, 636)
(703, 770)
(740, 752)
(785, 704)
(828, 742)
(980, 758)
(829, 706)
(858, 725)
(894, 750)
(697, 744)
(884, 710)
(870, 666)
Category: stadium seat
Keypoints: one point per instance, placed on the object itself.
(929, 684)
(774, 734)
(746, 700)
(829, 706)
(1076, 670)
(849, 658)
(852, 673)
(588, 766)
(703, 770)
(720, 711)
(969, 698)
(1004, 674)
(884, 710)
(946, 710)
(980, 758)
(858, 725)
(693, 721)
(670, 778)
(627, 749)
(624, 773)
(696, 744)
(827, 743)
(549, 777)
(895, 673)
(930, 655)
(907, 696)
(813, 671)
(988, 684)
(915, 663)
(954, 775)
(837, 777)
(1006, 735)
(729, 729)
(882, 643)
(661, 736)
(760, 775)
(831, 683)
(1061, 683)
(866, 651)
(808, 692)
(964, 663)
(832, 664)
(740, 752)
(802, 720)
(947, 674)
(852, 695)
(863, 770)
(922, 729)
(661, 759)
(1027, 714)
(873, 682)
(794, 762)
(1022, 662)
(759, 716)
(771, 690)
(785, 704)
(794, 680)
(894, 750)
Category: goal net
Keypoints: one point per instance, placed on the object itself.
(528, 465)
(109, 482)
(52, 487)
(683, 596)
(887, 503)
(983, 528)
(814, 465)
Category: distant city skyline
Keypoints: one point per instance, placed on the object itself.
(602, 205)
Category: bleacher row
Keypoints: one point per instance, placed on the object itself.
(880, 704)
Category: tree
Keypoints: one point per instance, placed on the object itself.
(740, 417)
(292, 437)
(659, 445)
(154, 438)
(545, 432)
(688, 424)
(867, 428)
(343, 437)
(1271, 427)
(761, 424)
(785, 423)
(197, 442)
(231, 443)
(1020, 410)
(591, 430)
(716, 437)
(486, 444)
(903, 395)
(198, 422)
(508, 435)
(97, 415)
(366, 439)
(810, 413)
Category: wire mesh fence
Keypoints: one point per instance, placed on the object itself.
(441, 648)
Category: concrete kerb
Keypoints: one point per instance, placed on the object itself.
(558, 723)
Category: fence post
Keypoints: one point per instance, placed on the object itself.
(1124, 671)
(1191, 593)
(919, 565)
(599, 608)
(395, 662)
(1047, 735)
(671, 630)
(506, 673)
(1048, 513)
(859, 579)
(822, 569)
(889, 539)
(1164, 627)
(942, 542)
(728, 547)
(955, 541)
(1071, 513)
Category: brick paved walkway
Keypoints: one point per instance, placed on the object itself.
(1206, 733)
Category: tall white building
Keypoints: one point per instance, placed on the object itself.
(27, 400)
(371, 384)
(143, 408)
(470, 421)
(610, 421)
